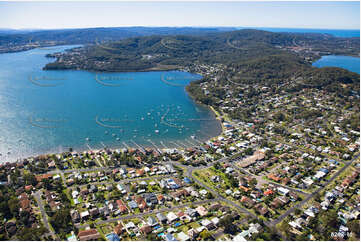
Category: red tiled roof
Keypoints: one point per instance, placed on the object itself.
(268, 192)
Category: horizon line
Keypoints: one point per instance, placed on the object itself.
(179, 26)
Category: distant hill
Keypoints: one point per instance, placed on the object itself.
(90, 35)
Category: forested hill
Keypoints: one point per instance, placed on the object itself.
(177, 51)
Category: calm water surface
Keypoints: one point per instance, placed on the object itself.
(347, 62)
(50, 111)
(343, 33)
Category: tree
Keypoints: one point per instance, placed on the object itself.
(205, 235)
(285, 227)
(354, 226)
(30, 179)
(298, 211)
(248, 151)
(14, 206)
(61, 220)
(217, 166)
(5, 210)
(209, 195)
(231, 229)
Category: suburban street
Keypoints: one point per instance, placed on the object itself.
(152, 212)
(37, 196)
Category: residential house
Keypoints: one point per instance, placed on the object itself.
(247, 201)
(121, 206)
(151, 221)
(146, 229)
(161, 218)
(261, 210)
(118, 229)
(182, 236)
(75, 216)
(172, 217)
(90, 234)
(201, 211)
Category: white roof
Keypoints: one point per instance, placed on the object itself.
(320, 174)
(130, 225)
(239, 237)
(215, 220)
(205, 222)
(85, 213)
(171, 216)
(182, 236)
(283, 190)
(200, 229)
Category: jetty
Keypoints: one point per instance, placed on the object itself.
(90, 148)
(192, 144)
(159, 150)
(165, 147)
(101, 142)
(140, 147)
(184, 146)
(176, 144)
(125, 145)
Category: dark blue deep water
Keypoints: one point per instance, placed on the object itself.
(347, 62)
(49, 111)
(344, 33)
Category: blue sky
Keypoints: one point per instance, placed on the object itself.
(326, 15)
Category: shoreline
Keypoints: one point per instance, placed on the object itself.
(219, 130)
(95, 150)
(214, 112)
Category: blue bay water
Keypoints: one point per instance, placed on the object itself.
(347, 62)
(49, 111)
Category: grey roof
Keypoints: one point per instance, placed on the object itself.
(161, 217)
